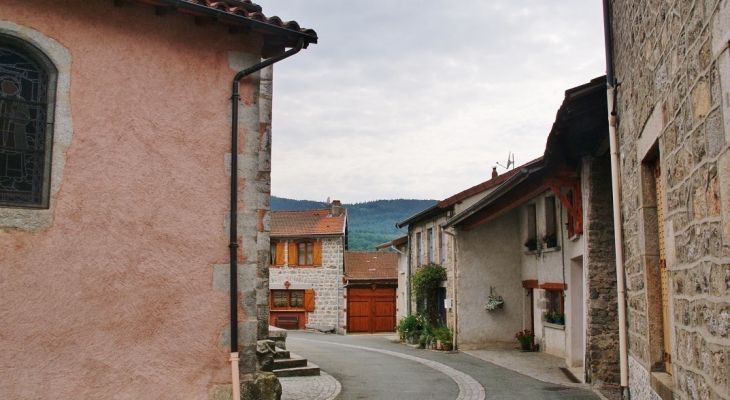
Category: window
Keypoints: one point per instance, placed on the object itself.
(26, 110)
(443, 247)
(418, 249)
(551, 237)
(555, 301)
(272, 253)
(287, 299)
(302, 253)
(430, 246)
(305, 253)
(300, 300)
(531, 241)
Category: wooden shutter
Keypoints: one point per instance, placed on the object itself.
(292, 254)
(279, 254)
(317, 254)
(309, 299)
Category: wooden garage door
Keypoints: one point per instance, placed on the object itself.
(371, 310)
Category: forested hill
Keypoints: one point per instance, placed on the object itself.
(370, 223)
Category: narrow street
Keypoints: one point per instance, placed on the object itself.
(372, 367)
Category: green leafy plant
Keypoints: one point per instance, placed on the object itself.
(425, 285)
(525, 337)
(443, 333)
(408, 326)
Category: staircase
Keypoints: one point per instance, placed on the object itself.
(287, 364)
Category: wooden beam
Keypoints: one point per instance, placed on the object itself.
(508, 203)
(566, 203)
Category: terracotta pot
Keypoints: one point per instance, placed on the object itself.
(446, 347)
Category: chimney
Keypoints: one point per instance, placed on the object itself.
(336, 208)
(494, 172)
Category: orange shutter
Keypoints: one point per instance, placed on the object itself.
(292, 254)
(279, 254)
(317, 253)
(309, 299)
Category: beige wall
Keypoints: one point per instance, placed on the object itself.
(117, 296)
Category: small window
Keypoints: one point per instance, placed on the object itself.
(305, 253)
(272, 253)
(25, 126)
(430, 245)
(287, 299)
(443, 247)
(555, 301)
(531, 240)
(551, 236)
(419, 260)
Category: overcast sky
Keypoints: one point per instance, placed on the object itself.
(420, 99)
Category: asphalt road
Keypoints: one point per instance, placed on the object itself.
(371, 367)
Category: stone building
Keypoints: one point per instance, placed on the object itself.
(307, 255)
(671, 65)
(115, 188)
(543, 242)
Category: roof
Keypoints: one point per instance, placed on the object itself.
(240, 16)
(395, 242)
(307, 223)
(368, 265)
(444, 204)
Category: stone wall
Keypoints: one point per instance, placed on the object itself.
(602, 361)
(325, 280)
(672, 61)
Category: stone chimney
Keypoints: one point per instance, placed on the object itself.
(494, 172)
(336, 205)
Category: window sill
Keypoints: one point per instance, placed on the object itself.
(548, 250)
(663, 385)
(554, 326)
(575, 237)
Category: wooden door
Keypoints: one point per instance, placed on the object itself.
(370, 310)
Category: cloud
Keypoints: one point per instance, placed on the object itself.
(415, 99)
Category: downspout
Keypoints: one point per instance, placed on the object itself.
(453, 287)
(233, 245)
(408, 270)
(616, 194)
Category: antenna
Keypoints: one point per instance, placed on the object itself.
(510, 161)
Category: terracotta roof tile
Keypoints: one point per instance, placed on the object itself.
(242, 13)
(371, 265)
(307, 223)
(486, 185)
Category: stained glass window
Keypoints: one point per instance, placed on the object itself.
(25, 134)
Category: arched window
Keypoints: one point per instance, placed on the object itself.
(27, 84)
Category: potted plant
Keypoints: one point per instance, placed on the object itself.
(443, 334)
(494, 301)
(559, 318)
(408, 328)
(525, 337)
(550, 240)
(531, 244)
(550, 317)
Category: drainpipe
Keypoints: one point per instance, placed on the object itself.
(453, 287)
(233, 245)
(615, 189)
(408, 270)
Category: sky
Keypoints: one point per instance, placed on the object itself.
(420, 99)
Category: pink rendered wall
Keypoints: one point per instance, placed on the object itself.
(116, 298)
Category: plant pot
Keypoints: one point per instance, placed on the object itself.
(446, 347)
(526, 346)
(434, 346)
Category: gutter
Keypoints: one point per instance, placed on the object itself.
(233, 244)
(611, 87)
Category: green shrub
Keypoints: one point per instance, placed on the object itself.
(425, 285)
(408, 326)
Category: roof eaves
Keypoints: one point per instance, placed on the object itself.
(433, 210)
(503, 189)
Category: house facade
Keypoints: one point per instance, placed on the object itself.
(307, 256)
(429, 243)
(672, 122)
(371, 285)
(115, 180)
(400, 247)
(542, 241)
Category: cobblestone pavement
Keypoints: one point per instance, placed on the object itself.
(322, 387)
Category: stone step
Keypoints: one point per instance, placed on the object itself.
(281, 353)
(283, 363)
(309, 370)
